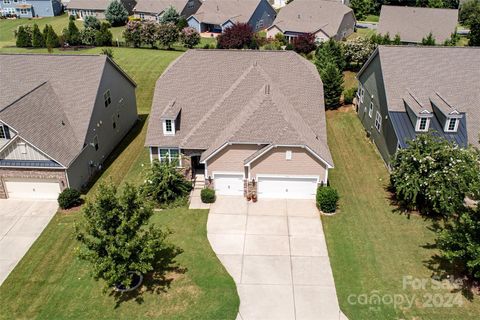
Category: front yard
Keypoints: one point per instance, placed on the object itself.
(372, 247)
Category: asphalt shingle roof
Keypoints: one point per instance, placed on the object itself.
(219, 11)
(158, 6)
(415, 23)
(451, 72)
(310, 16)
(263, 97)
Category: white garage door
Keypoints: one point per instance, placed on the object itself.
(32, 189)
(288, 188)
(228, 184)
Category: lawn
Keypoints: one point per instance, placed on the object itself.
(349, 79)
(50, 283)
(372, 246)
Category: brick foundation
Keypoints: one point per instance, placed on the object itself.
(31, 174)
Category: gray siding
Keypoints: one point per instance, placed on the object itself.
(263, 12)
(40, 8)
(101, 125)
(192, 22)
(187, 12)
(372, 81)
(347, 27)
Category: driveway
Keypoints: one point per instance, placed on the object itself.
(21, 222)
(275, 251)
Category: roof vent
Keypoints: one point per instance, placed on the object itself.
(267, 89)
(63, 123)
(255, 63)
(298, 16)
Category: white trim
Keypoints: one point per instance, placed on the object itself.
(287, 176)
(370, 110)
(172, 126)
(233, 173)
(325, 181)
(427, 124)
(447, 124)
(378, 119)
(151, 155)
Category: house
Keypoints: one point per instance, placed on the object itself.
(153, 9)
(243, 121)
(96, 8)
(30, 8)
(56, 127)
(324, 19)
(282, 3)
(408, 90)
(413, 24)
(214, 16)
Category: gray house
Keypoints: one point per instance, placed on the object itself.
(405, 90)
(30, 8)
(216, 15)
(153, 9)
(96, 8)
(56, 127)
(325, 19)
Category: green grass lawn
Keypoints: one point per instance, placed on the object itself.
(349, 79)
(371, 246)
(51, 283)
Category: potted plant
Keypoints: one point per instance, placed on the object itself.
(254, 197)
(249, 196)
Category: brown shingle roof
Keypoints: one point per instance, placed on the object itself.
(261, 97)
(158, 6)
(310, 16)
(451, 72)
(98, 4)
(220, 11)
(415, 23)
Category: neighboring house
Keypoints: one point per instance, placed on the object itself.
(282, 3)
(96, 8)
(216, 15)
(408, 90)
(325, 19)
(246, 120)
(56, 127)
(413, 24)
(30, 8)
(153, 9)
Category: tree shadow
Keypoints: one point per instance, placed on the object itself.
(158, 281)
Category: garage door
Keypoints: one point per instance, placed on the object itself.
(288, 188)
(32, 189)
(228, 184)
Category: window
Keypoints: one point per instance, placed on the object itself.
(22, 146)
(107, 98)
(142, 16)
(168, 125)
(190, 4)
(23, 11)
(170, 155)
(3, 134)
(259, 24)
(452, 125)
(422, 124)
(95, 142)
(370, 110)
(114, 122)
(378, 121)
(362, 93)
(6, 1)
(288, 155)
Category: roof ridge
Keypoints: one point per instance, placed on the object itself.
(23, 96)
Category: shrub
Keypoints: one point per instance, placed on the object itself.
(103, 37)
(168, 34)
(133, 33)
(38, 41)
(116, 13)
(348, 95)
(24, 38)
(51, 38)
(149, 33)
(332, 80)
(71, 34)
(108, 52)
(87, 36)
(304, 43)
(170, 16)
(190, 37)
(327, 198)
(69, 198)
(238, 36)
(289, 46)
(207, 195)
(91, 22)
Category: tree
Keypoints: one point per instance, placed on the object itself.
(361, 8)
(103, 37)
(38, 41)
(238, 36)
(91, 22)
(459, 242)
(357, 51)
(468, 11)
(304, 43)
(397, 40)
(133, 33)
(474, 35)
(429, 40)
(115, 239)
(434, 176)
(87, 36)
(453, 40)
(436, 4)
(24, 38)
(170, 16)
(149, 32)
(190, 37)
(164, 183)
(51, 40)
(71, 34)
(332, 80)
(107, 52)
(116, 14)
(330, 50)
(167, 34)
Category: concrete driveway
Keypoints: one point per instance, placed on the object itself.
(275, 251)
(21, 222)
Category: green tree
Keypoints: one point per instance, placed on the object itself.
(474, 35)
(71, 34)
(332, 80)
(51, 40)
(357, 51)
(453, 40)
(330, 50)
(429, 40)
(38, 41)
(133, 33)
(459, 242)
(24, 38)
(170, 16)
(87, 36)
(91, 22)
(116, 14)
(436, 4)
(149, 32)
(434, 176)
(103, 37)
(468, 11)
(164, 183)
(115, 239)
(167, 34)
(362, 8)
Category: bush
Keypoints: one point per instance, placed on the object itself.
(190, 37)
(91, 22)
(327, 198)
(170, 15)
(348, 95)
(69, 198)
(238, 36)
(116, 14)
(133, 33)
(332, 80)
(38, 41)
(207, 195)
(24, 38)
(168, 34)
(103, 37)
(304, 43)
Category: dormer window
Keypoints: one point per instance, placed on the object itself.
(452, 125)
(422, 124)
(4, 132)
(168, 127)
